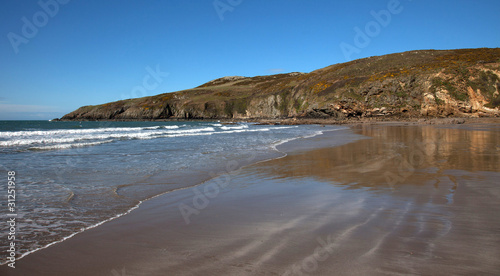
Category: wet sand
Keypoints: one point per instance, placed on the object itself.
(398, 200)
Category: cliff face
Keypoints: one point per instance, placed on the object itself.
(461, 83)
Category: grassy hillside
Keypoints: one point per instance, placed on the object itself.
(461, 83)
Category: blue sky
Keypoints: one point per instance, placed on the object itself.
(58, 55)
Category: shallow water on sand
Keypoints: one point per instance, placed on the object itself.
(76, 175)
(410, 200)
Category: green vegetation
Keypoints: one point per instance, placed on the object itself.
(236, 105)
(447, 85)
(495, 102)
(438, 100)
(285, 99)
(299, 104)
(352, 94)
(486, 82)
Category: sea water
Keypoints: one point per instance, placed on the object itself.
(72, 176)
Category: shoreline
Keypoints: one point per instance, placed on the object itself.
(322, 121)
(385, 120)
(150, 211)
(197, 184)
(240, 164)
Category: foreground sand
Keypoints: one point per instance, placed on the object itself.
(399, 200)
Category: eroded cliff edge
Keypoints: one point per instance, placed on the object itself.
(427, 83)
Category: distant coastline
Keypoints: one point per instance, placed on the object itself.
(463, 83)
(324, 121)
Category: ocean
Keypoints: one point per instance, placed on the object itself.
(73, 176)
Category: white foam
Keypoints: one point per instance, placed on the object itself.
(285, 127)
(90, 137)
(295, 138)
(193, 130)
(78, 232)
(190, 134)
(244, 130)
(69, 146)
(164, 133)
(98, 224)
(8, 134)
(234, 127)
(159, 127)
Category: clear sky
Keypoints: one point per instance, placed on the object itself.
(58, 55)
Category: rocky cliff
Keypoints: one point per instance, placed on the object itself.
(458, 83)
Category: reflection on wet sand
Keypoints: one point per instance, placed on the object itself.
(394, 155)
(434, 200)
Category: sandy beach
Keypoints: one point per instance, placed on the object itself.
(381, 199)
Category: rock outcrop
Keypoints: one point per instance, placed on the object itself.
(451, 83)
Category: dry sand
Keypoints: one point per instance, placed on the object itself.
(409, 200)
